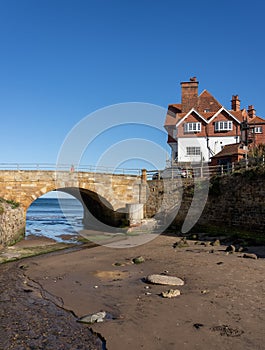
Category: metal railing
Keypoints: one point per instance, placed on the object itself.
(203, 170)
(69, 168)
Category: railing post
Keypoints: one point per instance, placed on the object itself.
(222, 169)
(144, 175)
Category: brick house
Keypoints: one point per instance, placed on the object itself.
(199, 127)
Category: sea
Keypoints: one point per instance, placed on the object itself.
(59, 219)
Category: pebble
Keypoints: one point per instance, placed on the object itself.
(98, 317)
(171, 293)
(138, 260)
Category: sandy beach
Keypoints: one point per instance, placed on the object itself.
(221, 304)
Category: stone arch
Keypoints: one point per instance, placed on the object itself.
(97, 209)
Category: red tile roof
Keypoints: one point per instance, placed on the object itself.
(239, 115)
(230, 150)
(176, 105)
(206, 106)
(207, 101)
(256, 120)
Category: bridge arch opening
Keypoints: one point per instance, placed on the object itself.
(45, 218)
(63, 213)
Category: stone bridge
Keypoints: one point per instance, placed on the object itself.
(106, 196)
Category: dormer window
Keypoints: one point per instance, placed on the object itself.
(223, 126)
(207, 110)
(192, 127)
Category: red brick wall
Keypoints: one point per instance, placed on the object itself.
(209, 128)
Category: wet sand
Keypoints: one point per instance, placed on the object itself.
(221, 305)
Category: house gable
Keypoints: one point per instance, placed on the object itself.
(191, 124)
(194, 115)
(207, 103)
(225, 113)
(223, 118)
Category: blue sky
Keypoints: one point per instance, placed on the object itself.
(64, 59)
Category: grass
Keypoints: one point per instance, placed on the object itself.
(231, 233)
(11, 202)
(30, 251)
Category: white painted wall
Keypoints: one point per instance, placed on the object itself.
(215, 143)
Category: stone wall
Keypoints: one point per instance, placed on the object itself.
(12, 223)
(162, 195)
(234, 202)
(237, 202)
(24, 186)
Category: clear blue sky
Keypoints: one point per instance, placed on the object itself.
(64, 59)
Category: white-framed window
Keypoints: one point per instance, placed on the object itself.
(192, 127)
(223, 125)
(193, 151)
(257, 130)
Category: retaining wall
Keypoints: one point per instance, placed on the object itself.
(235, 201)
(12, 224)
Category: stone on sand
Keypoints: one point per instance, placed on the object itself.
(171, 293)
(165, 280)
(97, 317)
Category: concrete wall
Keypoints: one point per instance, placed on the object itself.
(12, 224)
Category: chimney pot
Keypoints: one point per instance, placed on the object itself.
(251, 111)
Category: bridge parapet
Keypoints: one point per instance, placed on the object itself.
(24, 186)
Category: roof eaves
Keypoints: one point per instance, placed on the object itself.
(219, 111)
(189, 113)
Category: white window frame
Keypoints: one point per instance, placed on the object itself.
(223, 125)
(257, 130)
(193, 151)
(192, 127)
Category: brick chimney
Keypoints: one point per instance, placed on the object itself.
(189, 94)
(235, 103)
(251, 111)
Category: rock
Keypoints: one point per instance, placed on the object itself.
(230, 249)
(242, 249)
(98, 317)
(198, 325)
(171, 293)
(204, 291)
(250, 256)
(215, 243)
(165, 280)
(181, 243)
(138, 260)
